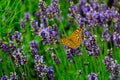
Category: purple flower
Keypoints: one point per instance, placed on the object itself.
(107, 62)
(55, 1)
(105, 35)
(53, 10)
(115, 69)
(81, 21)
(11, 36)
(23, 24)
(34, 52)
(35, 27)
(115, 72)
(85, 8)
(95, 5)
(34, 48)
(50, 73)
(115, 2)
(17, 37)
(27, 16)
(73, 10)
(49, 50)
(118, 42)
(91, 46)
(70, 18)
(19, 58)
(82, 2)
(49, 35)
(1, 43)
(43, 17)
(44, 21)
(42, 6)
(69, 52)
(34, 24)
(56, 59)
(1, 59)
(116, 35)
(38, 59)
(34, 45)
(117, 28)
(72, 53)
(104, 7)
(6, 48)
(40, 66)
(103, 18)
(4, 78)
(13, 76)
(111, 66)
(78, 51)
(12, 46)
(38, 14)
(41, 70)
(93, 76)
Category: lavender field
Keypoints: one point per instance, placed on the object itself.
(59, 39)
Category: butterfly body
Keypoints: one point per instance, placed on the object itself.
(74, 41)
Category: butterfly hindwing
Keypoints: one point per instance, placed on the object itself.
(67, 42)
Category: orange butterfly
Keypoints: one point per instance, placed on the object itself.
(75, 40)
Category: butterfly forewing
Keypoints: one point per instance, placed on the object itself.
(77, 36)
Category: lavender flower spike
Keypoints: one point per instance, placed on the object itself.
(93, 76)
(4, 77)
(27, 16)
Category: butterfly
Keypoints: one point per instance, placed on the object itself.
(74, 41)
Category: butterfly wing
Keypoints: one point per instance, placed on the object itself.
(67, 42)
(75, 40)
(76, 37)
